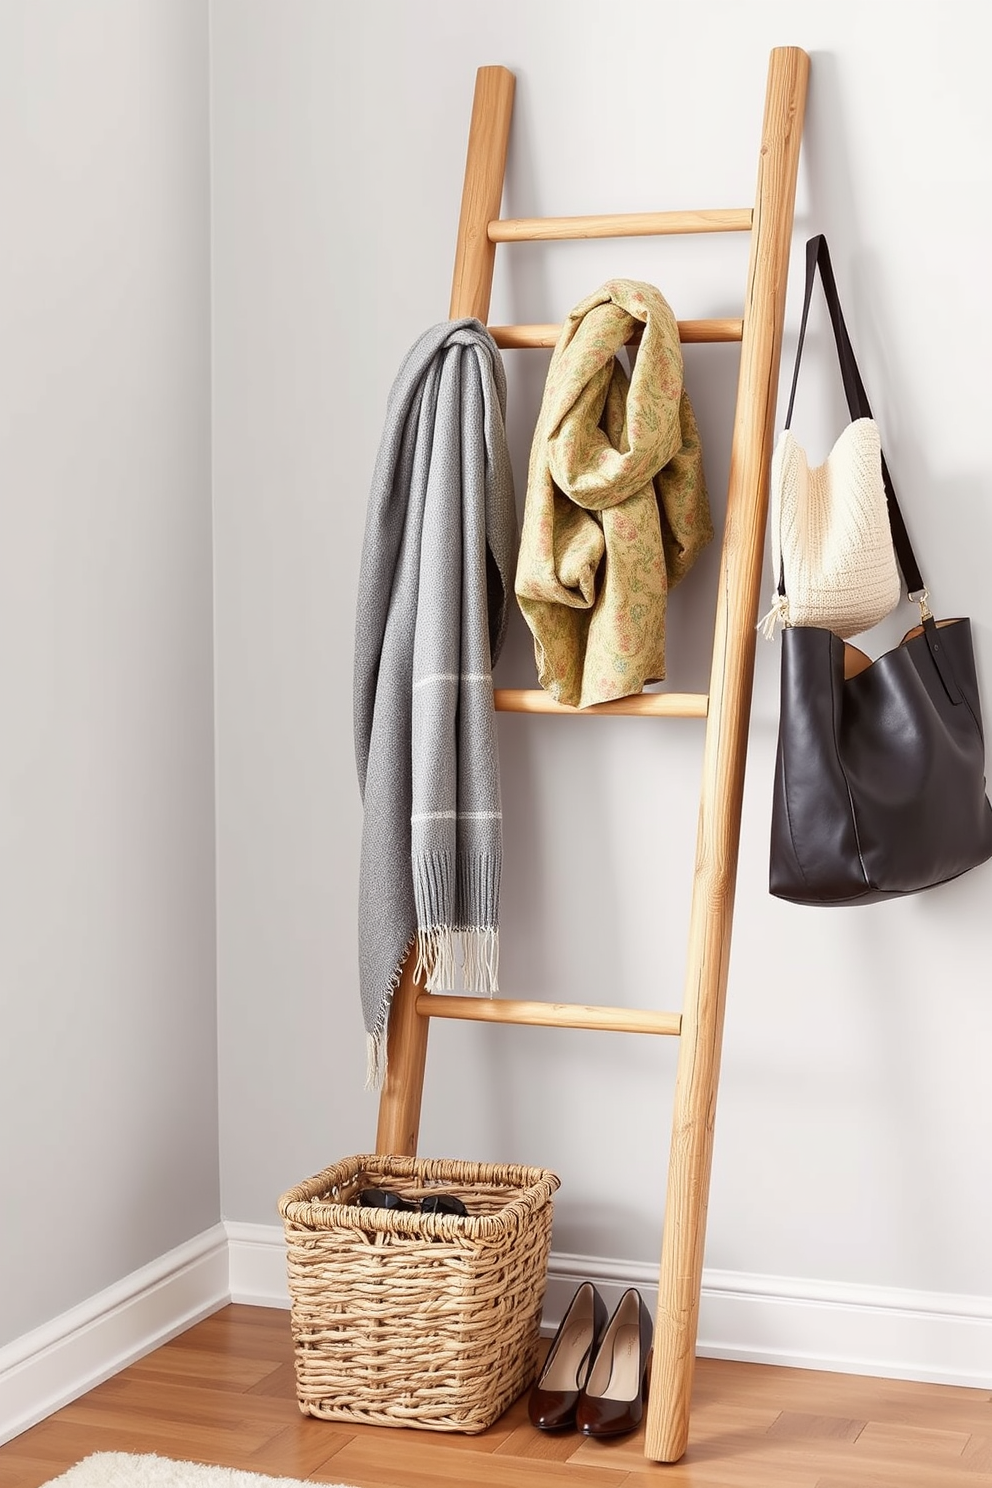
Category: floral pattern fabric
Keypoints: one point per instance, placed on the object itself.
(616, 510)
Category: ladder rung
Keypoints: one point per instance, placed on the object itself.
(547, 1014)
(639, 704)
(517, 337)
(618, 225)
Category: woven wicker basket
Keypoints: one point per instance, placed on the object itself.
(407, 1319)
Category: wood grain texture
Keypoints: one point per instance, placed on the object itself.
(482, 192)
(619, 225)
(402, 1092)
(549, 1014)
(638, 705)
(724, 754)
(522, 337)
(224, 1393)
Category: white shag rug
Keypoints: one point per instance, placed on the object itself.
(120, 1470)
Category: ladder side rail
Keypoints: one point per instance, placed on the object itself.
(401, 1097)
(718, 833)
(482, 192)
(402, 1091)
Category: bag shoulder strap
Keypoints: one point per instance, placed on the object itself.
(818, 255)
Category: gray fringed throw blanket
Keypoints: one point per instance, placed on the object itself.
(433, 600)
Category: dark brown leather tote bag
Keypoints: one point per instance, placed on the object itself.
(880, 783)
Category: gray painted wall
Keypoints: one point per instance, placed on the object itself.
(108, 1057)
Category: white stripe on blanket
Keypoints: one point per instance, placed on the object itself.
(453, 677)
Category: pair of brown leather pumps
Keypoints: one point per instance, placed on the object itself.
(595, 1375)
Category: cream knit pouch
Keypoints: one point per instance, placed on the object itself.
(830, 534)
(832, 553)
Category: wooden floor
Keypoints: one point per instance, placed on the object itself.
(224, 1393)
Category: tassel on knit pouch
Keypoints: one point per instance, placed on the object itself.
(777, 615)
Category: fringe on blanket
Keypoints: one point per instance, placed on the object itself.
(441, 955)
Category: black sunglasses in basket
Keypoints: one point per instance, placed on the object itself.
(384, 1198)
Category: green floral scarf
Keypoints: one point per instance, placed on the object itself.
(616, 509)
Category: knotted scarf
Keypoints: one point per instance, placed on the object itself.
(616, 509)
(433, 594)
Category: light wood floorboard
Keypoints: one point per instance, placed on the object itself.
(224, 1393)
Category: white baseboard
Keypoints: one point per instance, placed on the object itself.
(888, 1332)
(258, 1264)
(46, 1368)
(883, 1331)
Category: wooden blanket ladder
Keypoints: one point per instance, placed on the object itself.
(726, 707)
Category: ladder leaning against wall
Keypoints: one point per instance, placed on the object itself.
(726, 707)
